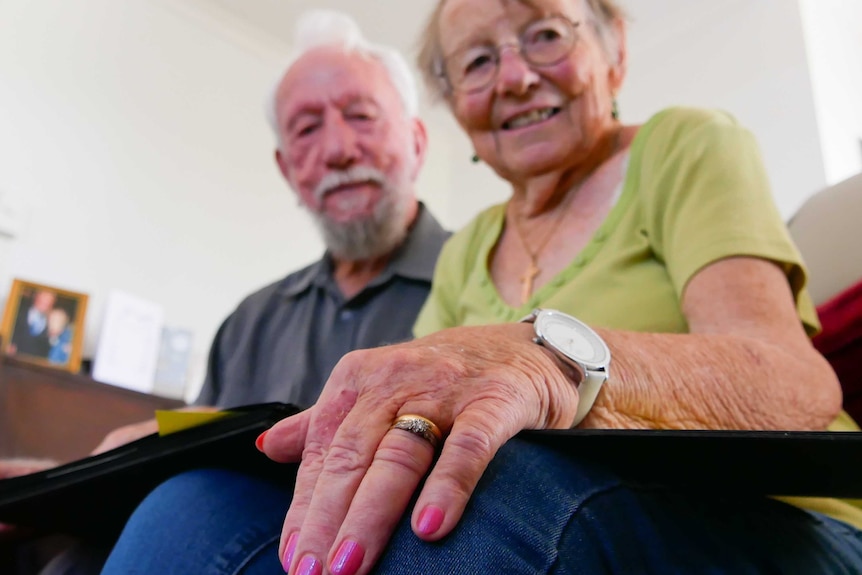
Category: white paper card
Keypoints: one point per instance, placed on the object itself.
(172, 368)
(128, 348)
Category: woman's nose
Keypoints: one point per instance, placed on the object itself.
(514, 75)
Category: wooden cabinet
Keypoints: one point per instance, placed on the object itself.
(59, 415)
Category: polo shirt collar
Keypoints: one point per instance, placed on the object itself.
(415, 258)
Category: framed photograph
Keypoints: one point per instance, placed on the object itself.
(44, 325)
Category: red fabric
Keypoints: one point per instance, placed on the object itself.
(841, 343)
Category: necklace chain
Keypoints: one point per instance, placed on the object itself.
(533, 270)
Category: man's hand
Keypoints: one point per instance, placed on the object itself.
(134, 431)
(24, 466)
(126, 434)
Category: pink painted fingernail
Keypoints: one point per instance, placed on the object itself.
(347, 559)
(430, 520)
(259, 441)
(309, 565)
(289, 549)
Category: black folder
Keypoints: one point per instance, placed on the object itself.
(94, 496)
(788, 463)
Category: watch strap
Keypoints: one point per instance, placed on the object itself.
(588, 391)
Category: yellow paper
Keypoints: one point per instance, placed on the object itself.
(173, 421)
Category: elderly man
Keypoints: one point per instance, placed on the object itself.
(349, 143)
(351, 146)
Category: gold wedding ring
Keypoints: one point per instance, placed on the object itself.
(421, 426)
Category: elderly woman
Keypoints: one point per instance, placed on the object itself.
(662, 241)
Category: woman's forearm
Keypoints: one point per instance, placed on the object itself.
(696, 381)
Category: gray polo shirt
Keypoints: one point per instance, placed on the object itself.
(281, 342)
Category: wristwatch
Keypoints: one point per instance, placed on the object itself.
(578, 346)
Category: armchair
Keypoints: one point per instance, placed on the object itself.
(828, 231)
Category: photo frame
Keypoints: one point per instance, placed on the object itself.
(44, 325)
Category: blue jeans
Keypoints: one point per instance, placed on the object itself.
(535, 511)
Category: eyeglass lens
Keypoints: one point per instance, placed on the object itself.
(542, 42)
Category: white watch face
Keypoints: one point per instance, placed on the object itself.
(573, 338)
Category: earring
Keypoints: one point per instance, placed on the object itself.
(615, 110)
(475, 159)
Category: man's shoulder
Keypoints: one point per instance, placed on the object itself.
(417, 255)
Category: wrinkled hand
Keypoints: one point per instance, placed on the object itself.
(480, 385)
(126, 434)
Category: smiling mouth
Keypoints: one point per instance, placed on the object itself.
(530, 118)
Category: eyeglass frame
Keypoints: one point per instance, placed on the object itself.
(572, 25)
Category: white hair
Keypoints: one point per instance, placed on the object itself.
(323, 28)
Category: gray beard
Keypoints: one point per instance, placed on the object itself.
(371, 237)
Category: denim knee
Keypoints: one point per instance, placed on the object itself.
(637, 529)
(204, 521)
(538, 511)
(514, 520)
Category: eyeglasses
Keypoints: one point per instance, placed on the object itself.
(542, 43)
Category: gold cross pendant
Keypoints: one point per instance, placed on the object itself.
(527, 282)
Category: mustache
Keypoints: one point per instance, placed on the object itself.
(354, 175)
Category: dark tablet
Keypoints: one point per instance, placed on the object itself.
(93, 497)
(792, 463)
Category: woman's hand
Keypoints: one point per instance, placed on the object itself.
(480, 385)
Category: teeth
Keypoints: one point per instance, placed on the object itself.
(530, 118)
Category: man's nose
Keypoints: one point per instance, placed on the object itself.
(514, 74)
(340, 143)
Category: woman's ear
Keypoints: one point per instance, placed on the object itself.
(619, 60)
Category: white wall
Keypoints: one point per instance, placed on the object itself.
(742, 56)
(135, 156)
(833, 32)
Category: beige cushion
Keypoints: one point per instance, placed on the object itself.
(828, 231)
